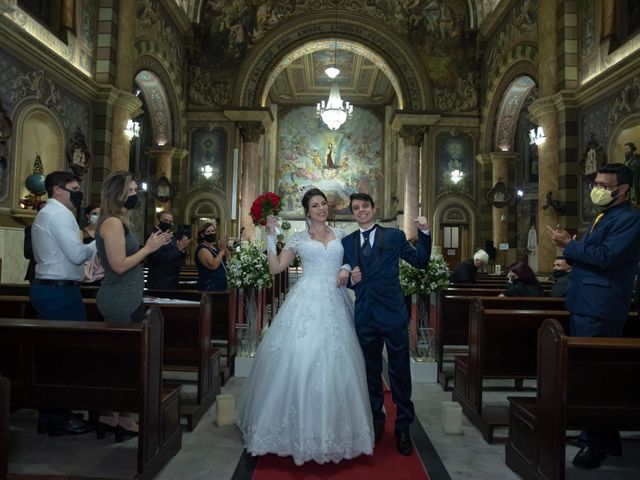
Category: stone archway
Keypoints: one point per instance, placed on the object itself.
(214, 200)
(507, 118)
(413, 85)
(157, 102)
(466, 208)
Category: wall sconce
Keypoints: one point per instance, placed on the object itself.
(132, 129)
(537, 136)
(456, 175)
(143, 186)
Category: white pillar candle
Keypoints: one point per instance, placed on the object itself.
(451, 417)
(225, 410)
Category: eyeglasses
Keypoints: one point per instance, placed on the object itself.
(601, 186)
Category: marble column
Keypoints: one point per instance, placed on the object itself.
(412, 136)
(125, 61)
(499, 215)
(126, 106)
(250, 133)
(546, 115)
(163, 157)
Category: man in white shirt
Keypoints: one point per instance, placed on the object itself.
(59, 252)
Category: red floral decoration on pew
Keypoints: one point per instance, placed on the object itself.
(263, 206)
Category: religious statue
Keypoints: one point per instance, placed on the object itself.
(592, 159)
(330, 156)
(77, 153)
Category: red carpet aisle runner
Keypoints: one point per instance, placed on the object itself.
(385, 464)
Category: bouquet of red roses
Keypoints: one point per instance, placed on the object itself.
(263, 206)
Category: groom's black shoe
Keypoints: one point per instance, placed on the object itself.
(403, 442)
(378, 431)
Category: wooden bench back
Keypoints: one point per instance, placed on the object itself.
(583, 383)
(5, 391)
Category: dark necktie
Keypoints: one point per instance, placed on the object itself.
(365, 250)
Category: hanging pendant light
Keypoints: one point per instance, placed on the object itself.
(334, 112)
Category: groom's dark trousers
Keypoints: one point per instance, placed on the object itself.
(381, 316)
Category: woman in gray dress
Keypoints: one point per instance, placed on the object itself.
(120, 296)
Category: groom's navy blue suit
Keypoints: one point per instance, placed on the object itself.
(381, 315)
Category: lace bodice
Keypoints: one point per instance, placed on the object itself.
(318, 260)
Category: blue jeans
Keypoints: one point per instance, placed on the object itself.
(58, 302)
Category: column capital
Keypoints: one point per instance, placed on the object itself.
(180, 153)
(565, 99)
(483, 158)
(400, 120)
(128, 102)
(158, 152)
(413, 135)
(501, 157)
(251, 131)
(542, 107)
(263, 116)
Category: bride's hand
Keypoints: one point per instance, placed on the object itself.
(272, 224)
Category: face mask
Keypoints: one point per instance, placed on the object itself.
(130, 204)
(75, 197)
(559, 273)
(94, 219)
(210, 237)
(165, 226)
(602, 197)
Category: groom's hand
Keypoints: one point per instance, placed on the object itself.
(343, 277)
(356, 275)
(422, 223)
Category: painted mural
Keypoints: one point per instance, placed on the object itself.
(338, 162)
(455, 152)
(208, 152)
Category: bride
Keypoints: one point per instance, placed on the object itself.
(307, 393)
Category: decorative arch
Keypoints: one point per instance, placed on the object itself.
(627, 130)
(520, 61)
(509, 110)
(215, 199)
(151, 57)
(38, 131)
(460, 203)
(158, 104)
(295, 33)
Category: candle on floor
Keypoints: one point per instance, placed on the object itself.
(451, 416)
(225, 410)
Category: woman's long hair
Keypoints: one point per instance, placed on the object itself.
(525, 273)
(115, 191)
(202, 229)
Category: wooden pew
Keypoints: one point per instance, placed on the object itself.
(452, 318)
(583, 383)
(502, 345)
(187, 344)
(5, 392)
(97, 367)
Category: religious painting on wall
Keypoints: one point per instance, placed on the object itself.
(208, 157)
(455, 153)
(339, 162)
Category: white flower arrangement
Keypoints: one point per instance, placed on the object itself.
(248, 268)
(432, 279)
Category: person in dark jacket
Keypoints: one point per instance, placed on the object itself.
(164, 264)
(522, 282)
(561, 276)
(467, 271)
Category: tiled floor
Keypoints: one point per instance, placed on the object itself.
(212, 453)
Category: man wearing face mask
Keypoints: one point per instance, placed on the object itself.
(60, 256)
(604, 264)
(164, 264)
(561, 277)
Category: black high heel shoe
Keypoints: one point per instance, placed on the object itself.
(102, 429)
(121, 432)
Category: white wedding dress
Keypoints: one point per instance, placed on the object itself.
(307, 394)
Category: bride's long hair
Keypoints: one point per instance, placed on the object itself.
(306, 198)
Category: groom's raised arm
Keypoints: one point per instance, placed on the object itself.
(419, 256)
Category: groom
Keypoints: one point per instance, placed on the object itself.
(373, 253)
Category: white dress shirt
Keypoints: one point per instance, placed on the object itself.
(57, 247)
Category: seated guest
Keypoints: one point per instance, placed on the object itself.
(467, 271)
(164, 264)
(211, 257)
(562, 277)
(522, 282)
(91, 214)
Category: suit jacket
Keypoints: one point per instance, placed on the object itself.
(379, 297)
(604, 264)
(164, 267)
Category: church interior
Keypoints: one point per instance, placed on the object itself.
(488, 117)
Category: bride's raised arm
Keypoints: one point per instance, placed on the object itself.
(277, 263)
